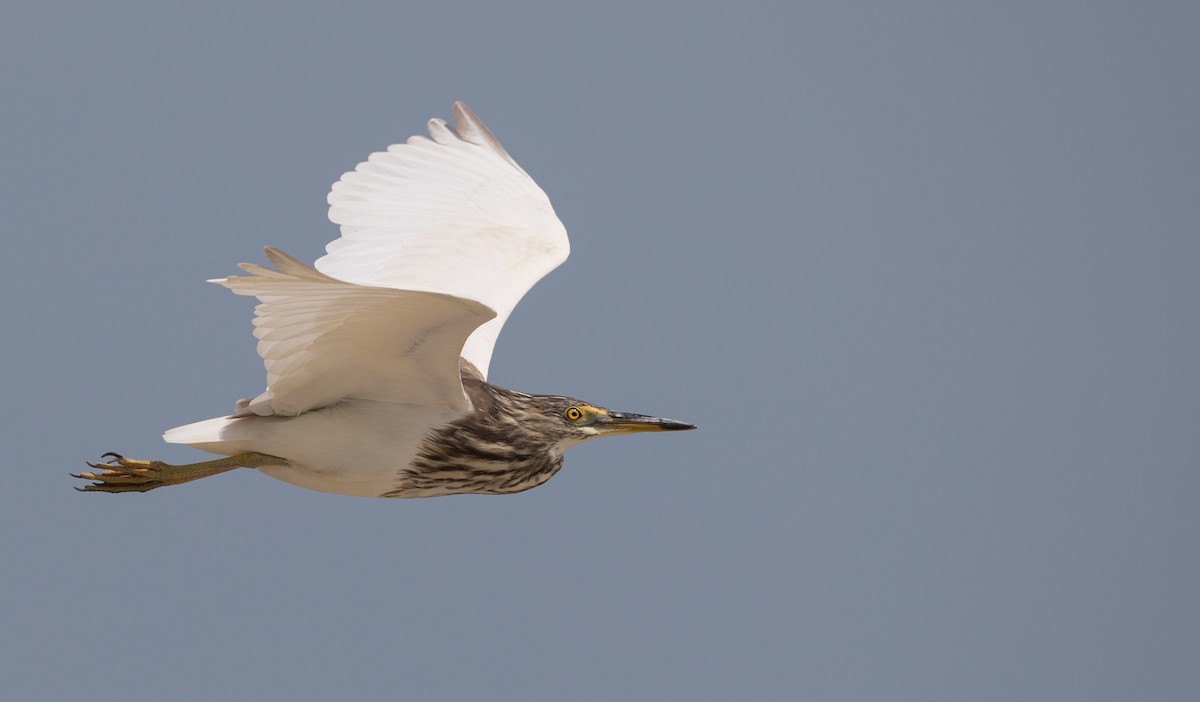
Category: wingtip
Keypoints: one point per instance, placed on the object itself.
(286, 263)
(278, 258)
(463, 113)
(472, 129)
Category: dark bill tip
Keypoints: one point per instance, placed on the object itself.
(626, 422)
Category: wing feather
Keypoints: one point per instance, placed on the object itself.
(453, 214)
(324, 340)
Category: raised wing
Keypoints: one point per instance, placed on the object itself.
(324, 340)
(453, 214)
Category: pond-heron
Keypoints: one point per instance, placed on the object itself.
(377, 358)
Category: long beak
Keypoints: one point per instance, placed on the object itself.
(626, 423)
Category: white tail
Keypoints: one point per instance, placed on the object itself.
(210, 435)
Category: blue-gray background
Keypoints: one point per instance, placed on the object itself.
(925, 274)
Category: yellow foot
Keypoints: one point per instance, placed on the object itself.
(131, 475)
(123, 475)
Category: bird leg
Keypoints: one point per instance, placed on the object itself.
(131, 475)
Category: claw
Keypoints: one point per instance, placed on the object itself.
(132, 475)
(121, 475)
(111, 454)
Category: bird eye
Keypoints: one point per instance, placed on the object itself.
(574, 414)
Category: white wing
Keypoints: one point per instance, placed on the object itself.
(324, 340)
(453, 215)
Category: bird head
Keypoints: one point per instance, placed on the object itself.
(572, 421)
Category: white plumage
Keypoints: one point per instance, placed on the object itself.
(377, 359)
(441, 238)
(453, 215)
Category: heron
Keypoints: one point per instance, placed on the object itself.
(377, 357)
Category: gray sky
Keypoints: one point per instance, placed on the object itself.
(924, 274)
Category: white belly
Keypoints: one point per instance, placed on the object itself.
(358, 447)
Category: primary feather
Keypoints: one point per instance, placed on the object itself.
(323, 340)
(451, 214)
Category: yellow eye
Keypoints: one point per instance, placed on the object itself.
(574, 414)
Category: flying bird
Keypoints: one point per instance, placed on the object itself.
(377, 359)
